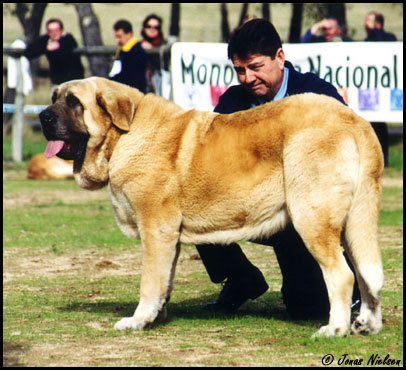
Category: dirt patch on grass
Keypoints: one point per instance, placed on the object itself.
(23, 199)
(17, 264)
(92, 263)
(12, 352)
(392, 182)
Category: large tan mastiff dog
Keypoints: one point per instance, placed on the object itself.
(177, 176)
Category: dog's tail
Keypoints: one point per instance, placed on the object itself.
(361, 229)
(362, 221)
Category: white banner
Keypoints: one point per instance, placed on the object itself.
(200, 73)
(369, 75)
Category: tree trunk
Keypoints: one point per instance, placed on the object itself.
(338, 10)
(174, 27)
(90, 29)
(266, 12)
(296, 23)
(243, 14)
(31, 26)
(225, 28)
(32, 23)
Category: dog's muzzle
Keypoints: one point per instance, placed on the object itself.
(47, 117)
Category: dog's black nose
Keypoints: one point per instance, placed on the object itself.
(47, 117)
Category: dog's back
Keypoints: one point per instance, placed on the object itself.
(248, 165)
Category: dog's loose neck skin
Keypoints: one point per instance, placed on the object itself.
(93, 174)
(118, 116)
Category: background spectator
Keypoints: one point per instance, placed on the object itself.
(58, 47)
(375, 32)
(331, 30)
(153, 37)
(130, 61)
(374, 28)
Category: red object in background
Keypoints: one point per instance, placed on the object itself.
(216, 92)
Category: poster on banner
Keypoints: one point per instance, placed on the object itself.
(200, 73)
(369, 75)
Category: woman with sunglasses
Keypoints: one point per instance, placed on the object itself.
(151, 32)
(152, 38)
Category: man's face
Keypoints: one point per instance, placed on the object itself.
(331, 29)
(369, 22)
(121, 37)
(261, 75)
(54, 31)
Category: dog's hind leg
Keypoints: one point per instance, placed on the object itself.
(361, 243)
(160, 253)
(324, 245)
(319, 183)
(319, 224)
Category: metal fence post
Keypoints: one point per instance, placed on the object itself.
(18, 119)
(18, 107)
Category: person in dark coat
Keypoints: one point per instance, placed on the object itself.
(375, 32)
(330, 28)
(258, 58)
(374, 28)
(152, 37)
(129, 66)
(58, 47)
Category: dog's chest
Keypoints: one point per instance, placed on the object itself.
(123, 213)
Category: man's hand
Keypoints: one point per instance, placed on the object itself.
(324, 23)
(53, 45)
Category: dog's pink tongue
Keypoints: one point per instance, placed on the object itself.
(53, 148)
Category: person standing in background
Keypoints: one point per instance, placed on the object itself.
(58, 47)
(374, 28)
(153, 38)
(331, 30)
(129, 65)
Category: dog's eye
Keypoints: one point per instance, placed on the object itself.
(54, 95)
(72, 101)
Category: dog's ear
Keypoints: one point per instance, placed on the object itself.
(120, 108)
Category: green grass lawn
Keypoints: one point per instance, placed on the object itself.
(69, 275)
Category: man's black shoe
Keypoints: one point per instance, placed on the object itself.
(237, 290)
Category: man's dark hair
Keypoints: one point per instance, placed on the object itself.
(257, 36)
(124, 25)
(54, 20)
(379, 18)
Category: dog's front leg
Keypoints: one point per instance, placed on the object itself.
(159, 262)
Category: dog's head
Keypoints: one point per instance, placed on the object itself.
(78, 123)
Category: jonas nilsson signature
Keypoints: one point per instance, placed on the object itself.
(373, 360)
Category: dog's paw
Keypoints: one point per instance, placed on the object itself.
(330, 331)
(129, 323)
(362, 326)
